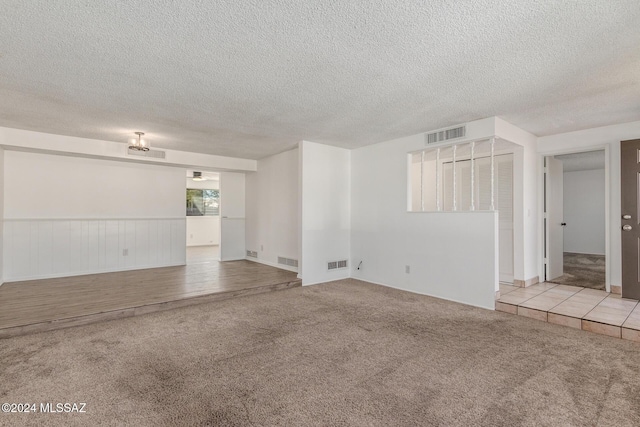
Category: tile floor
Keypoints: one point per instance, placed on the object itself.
(581, 308)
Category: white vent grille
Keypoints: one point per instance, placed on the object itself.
(335, 265)
(156, 154)
(445, 135)
(252, 254)
(288, 261)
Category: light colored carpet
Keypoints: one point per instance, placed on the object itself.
(342, 353)
(584, 270)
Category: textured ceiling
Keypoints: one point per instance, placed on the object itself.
(252, 78)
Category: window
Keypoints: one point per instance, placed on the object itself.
(203, 202)
(462, 177)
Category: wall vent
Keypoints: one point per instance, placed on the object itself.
(252, 254)
(156, 154)
(288, 261)
(445, 135)
(335, 265)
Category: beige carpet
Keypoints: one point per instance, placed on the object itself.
(584, 270)
(344, 353)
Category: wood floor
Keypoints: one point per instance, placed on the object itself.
(38, 305)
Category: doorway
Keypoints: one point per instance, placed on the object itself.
(203, 214)
(574, 219)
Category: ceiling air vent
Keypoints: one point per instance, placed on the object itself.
(156, 154)
(445, 135)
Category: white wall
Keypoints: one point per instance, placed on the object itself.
(451, 255)
(525, 200)
(203, 230)
(44, 248)
(232, 213)
(1, 216)
(584, 206)
(68, 215)
(272, 209)
(203, 185)
(607, 137)
(46, 186)
(84, 147)
(325, 211)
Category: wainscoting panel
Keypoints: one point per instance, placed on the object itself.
(43, 248)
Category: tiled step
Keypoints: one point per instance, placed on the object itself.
(581, 308)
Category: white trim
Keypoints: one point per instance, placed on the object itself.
(448, 212)
(422, 181)
(492, 206)
(273, 264)
(438, 196)
(453, 184)
(90, 273)
(329, 281)
(473, 177)
(419, 293)
(95, 219)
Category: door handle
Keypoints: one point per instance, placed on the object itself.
(627, 227)
(563, 224)
(626, 216)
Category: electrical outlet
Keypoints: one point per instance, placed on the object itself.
(125, 252)
(261, 247)
(191, 236)
(407, 269)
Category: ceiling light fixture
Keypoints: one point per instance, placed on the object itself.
(138, 143)
(197, 176)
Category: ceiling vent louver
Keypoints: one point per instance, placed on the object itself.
(445, 135)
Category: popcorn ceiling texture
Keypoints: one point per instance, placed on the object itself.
(252, 78)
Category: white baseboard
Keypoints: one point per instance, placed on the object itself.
(86, 273)
(273, 264)
(327, 281)
(420, 293)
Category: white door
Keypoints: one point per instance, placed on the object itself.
(554, 236)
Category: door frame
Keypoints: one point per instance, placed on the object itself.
(607, 205)
(553, 229)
